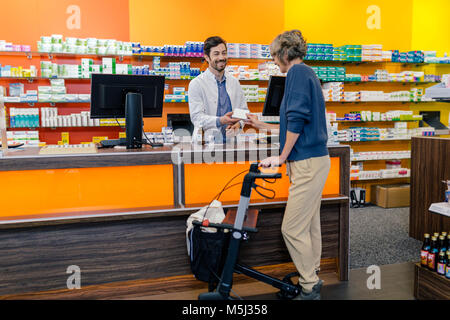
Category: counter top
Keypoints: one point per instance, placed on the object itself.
(30, 159)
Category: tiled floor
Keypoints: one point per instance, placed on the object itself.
(396, 283)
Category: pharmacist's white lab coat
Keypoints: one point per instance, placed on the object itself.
(203, 96)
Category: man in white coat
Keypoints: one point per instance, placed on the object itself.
(214, 94)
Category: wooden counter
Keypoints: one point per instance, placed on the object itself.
(430, 164)
(146, 242)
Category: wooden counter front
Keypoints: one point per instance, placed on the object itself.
(143, 240)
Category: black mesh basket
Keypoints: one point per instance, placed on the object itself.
(207, 253)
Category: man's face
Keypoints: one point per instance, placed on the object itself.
(218, 58)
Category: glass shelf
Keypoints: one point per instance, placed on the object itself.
(31, 79)
(356, 180)
(51, 55)
(352, 121)
(381, 101)
(398, 158)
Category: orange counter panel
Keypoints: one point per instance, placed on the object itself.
(203, 182)
(67, 190)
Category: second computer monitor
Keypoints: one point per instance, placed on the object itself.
(274, 96)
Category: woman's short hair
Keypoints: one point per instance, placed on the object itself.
(289, 45)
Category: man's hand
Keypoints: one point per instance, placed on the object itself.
(227, 119)
(232, 129)
(271, 162)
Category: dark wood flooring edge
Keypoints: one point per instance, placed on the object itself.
(149, 287)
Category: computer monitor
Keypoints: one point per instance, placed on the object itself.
(132, 97)
(274, 96)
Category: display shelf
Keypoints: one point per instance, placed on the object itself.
(383, 121)
(41, 78)
(51, 55)
(379, 101)
(403, 102)
(33, 104)
(65, 128)
(31, 79)
(406, 139)
(381, 159)
(429, 285)
(374, 179)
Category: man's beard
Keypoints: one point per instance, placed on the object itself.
(215, 65)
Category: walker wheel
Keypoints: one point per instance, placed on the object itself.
(285, 295)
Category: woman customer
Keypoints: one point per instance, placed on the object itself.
(303, 145)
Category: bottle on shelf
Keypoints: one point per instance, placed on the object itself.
(433, 254)
(441, 263)
(442, 245)
(425, 249)
(444, 233)
(447, 267)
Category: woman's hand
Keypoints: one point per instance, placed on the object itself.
(252, 119)
(272, 162)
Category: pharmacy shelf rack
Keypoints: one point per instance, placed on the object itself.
(384, 140)
(380, 159)
(356, 180)
(51, 55)
(379, 101)
(52, 103)
(31, 79)
(373, 121)
(68, 127)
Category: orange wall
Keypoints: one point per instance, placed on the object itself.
(25, 21)
(407, 24)
(175, 22)
(341, 22)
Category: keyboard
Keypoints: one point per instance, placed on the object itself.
(272, 119)
(69, 149)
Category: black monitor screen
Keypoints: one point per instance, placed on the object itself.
(180, 121)
(108, 92)
(274, 96)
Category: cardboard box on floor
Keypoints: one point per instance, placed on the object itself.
(390, 195)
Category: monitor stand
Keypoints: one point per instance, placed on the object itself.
(134, 124)
(134, 121)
